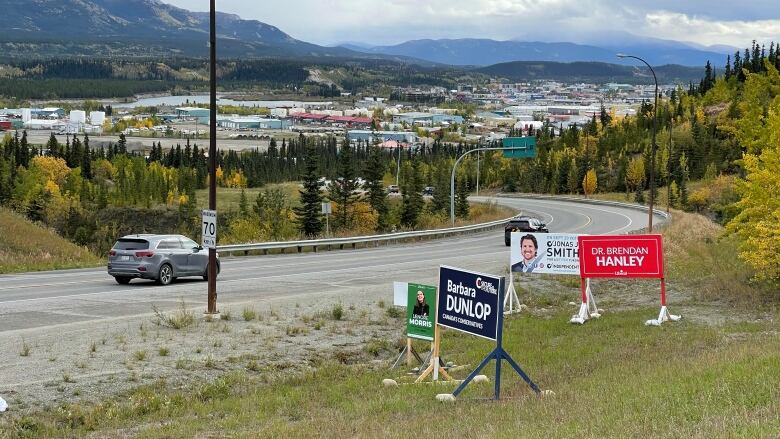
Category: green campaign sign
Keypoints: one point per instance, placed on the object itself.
(421, 311)
(522, 147)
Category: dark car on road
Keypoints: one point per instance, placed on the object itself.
(162, 258)
(523, 224)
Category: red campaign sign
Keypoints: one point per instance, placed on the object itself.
(621, 256)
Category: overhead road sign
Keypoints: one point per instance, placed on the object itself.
(519, 147)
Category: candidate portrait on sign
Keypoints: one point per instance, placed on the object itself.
(529, 250)
(421, 307)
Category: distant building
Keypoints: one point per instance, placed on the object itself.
(255, 123)
(201, 114)
(381, 136)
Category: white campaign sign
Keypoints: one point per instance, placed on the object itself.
(209, 228)
(552, 253)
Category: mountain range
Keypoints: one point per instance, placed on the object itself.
(484, 52)
(152, 28)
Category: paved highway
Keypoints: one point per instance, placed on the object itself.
(32, 302)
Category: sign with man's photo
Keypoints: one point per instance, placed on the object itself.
(550, 253)
(420, 311)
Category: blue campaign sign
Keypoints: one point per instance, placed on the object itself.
(469, 301)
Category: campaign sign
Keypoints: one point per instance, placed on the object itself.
(469, 301)
(550, 253)
(621, 256)
(420, 318)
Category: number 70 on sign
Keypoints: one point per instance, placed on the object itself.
(209, 239)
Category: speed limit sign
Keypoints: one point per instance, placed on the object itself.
(209, 227)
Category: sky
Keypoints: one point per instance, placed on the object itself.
(385, 22)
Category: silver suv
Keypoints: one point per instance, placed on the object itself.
(159, 257)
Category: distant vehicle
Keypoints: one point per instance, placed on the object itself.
(162, 258)
(428, 190)
(523, 224)
(393, 189)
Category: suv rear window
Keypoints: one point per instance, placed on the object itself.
(523, 224)
(131, 244)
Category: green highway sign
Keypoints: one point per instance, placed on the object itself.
(522, 147)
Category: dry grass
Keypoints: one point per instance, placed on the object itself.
(699, 256)
(25, 246)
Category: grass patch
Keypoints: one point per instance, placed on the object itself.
(613, 377)
(249, 314)
(178, 319)
(25, 246)
(24, 351)
(337, 312)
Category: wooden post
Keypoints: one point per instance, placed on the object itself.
(408, 351)
(434, 366)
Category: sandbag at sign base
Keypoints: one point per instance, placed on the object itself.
(663, 316)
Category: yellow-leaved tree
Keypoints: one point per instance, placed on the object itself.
(590, 183)
(758, 220)
(635, 173)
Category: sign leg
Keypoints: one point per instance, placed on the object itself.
(583, 314)
(593, 309)
(476, 371)
(519, 371)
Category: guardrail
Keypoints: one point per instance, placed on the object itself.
(667, 216)
(354, 241)
(314, 244)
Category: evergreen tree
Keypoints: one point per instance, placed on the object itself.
(122, 144)
(24, 151)
(76, 153)
(605, 117)
(308, 214)
(461, 198)
(343, 189)
(86, 160)
(412, 202)
(243, 204)
(441, 188)
(377, 198)
(53, 146)
(727, 73)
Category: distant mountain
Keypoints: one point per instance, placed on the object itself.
(483, 52)
(597, 72)
(133, 28)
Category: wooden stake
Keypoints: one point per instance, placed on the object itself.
(434, 365)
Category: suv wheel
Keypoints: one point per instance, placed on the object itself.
(206, 273)
(123, 280)
(165, 276)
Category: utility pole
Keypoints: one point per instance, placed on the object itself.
(212, 267)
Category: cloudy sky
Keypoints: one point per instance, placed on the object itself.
(380, 22)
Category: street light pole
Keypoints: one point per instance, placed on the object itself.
(653, 147)
(455, 166)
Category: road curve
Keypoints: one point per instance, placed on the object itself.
(35, 301)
